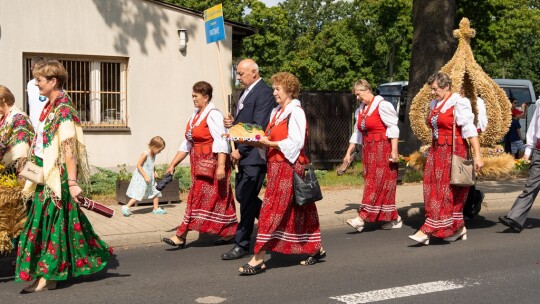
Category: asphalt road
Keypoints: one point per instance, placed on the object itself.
(492, 266)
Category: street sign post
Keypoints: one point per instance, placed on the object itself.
(214, 24)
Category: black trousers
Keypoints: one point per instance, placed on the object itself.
(249, 181)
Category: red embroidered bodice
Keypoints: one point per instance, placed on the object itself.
(375, 129)
(277, 132)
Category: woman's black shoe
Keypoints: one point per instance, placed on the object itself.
(172, 243)
(251, 270)
(314, 258)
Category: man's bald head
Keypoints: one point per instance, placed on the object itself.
(247, 72)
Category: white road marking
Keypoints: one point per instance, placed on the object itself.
(398, 292)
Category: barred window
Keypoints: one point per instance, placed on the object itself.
(97, 88)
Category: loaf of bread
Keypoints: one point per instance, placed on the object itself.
(245, 132)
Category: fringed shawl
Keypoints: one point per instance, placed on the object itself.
(63, 137)
(16, 135)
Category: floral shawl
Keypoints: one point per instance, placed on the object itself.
(62, 137)
(16, 135)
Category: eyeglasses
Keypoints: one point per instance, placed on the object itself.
(38, 80)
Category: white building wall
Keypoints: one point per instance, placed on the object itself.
(159, 78)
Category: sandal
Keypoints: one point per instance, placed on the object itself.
(314, 258)
(172, 243)
(251, 270)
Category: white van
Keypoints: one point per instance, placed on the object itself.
(523, 90)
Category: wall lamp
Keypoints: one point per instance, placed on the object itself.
(182, 35)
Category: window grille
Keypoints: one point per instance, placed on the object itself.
(97, 88)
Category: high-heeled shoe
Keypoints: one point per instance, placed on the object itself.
(460, 234)
(394, 224)
(173, 243)
(420, 239)
(357, 223)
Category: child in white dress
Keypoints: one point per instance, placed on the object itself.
(143, 184)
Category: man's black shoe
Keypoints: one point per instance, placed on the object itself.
(236, 252)
(510, 223)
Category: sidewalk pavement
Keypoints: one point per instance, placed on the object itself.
(145, 228)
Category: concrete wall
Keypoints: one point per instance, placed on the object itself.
(159, 77)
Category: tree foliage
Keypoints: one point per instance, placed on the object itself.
(330, 44)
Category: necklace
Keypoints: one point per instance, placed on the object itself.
(363, 114)
(436, 109)
(45, 111)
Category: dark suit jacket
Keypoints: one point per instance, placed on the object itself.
(258, 105)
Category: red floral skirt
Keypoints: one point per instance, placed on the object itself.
(443, 202)
(284, 226)
(379, 199)
(210, 204)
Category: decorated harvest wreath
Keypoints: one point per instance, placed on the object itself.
(466, 73)
(245, 132)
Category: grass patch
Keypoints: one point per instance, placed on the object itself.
(413, 176)
(353, 177)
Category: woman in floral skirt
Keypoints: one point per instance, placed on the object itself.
(58, 241)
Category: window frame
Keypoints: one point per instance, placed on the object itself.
(96, 119)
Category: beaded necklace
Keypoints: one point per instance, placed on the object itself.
(362, 115)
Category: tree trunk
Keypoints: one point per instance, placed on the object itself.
(433, 45)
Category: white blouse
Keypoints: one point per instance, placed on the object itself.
(463, 113)
(388, 116)
(293, 144)
(216, 127)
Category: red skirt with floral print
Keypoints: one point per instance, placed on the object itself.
(210, 204)
(443, 202)
(284, 226)
(379, 198)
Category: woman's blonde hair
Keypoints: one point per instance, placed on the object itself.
(51, 68)
(362, 85)
(6, 96)
(157, 142)
(288, 82)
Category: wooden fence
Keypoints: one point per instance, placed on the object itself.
(330, 119)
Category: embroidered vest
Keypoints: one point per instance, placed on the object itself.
(375, 130)
(201, 137)
(444, 125)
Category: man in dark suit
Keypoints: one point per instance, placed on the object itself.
(254, 106)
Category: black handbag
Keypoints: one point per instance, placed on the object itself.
(306, 190)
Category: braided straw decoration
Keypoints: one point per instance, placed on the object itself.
(12, 216)
(464, 71)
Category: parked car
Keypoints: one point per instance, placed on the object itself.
(395, 93)
(523, 90)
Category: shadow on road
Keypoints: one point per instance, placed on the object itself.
(501, 186)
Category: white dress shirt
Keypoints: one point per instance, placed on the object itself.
(482, 119)
(533, 133)
(245, 94)
(36, 103)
